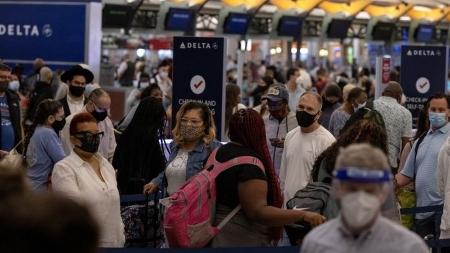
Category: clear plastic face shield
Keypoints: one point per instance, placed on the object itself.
(360, 193)
(351, 179)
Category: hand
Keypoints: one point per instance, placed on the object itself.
(314, 219)
(150, 188)
(3, 153)
(276, 142)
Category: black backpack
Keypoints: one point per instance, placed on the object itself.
(315, 197)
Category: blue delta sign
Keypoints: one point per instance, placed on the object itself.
(55, 32)
(199, 75)
(423, 74)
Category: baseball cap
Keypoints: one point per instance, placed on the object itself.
(277, 93)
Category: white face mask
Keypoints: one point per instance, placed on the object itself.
(359, 208)
(144, 85)
(355, 108)
(303, 84)
(163, 74)
(14, 85)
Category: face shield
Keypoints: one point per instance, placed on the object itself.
(360, 193)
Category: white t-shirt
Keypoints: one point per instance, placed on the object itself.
(300, 152)
(176, 172)
(75, 106)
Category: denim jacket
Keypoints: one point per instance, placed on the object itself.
(196, 159)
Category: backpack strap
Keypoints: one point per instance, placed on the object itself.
(211, 159)
(240, 160)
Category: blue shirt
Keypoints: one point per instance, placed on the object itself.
(7, 130)
(196, 159)
(425, 168)
(43, 152)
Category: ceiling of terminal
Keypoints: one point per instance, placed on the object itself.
(430, 10)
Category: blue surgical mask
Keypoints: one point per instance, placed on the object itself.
(437, 120)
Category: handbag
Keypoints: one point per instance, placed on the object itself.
(13, 160)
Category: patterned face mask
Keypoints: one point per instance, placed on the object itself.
(191, 133)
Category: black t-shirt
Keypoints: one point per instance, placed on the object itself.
(227, 182)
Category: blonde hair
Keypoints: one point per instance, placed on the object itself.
(346, 90)
(208, 122)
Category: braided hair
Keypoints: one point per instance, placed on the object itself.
(247, 128)
(46, 108)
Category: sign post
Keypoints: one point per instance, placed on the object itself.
(423, 73)
(383, 71)
(199, 75)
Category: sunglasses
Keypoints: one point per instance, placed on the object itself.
(88, 135)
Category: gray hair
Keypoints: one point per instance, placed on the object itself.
(97, 93)
(46, 74)
(362, 155)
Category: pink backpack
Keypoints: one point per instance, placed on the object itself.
(189, 215)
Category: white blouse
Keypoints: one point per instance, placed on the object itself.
(76, 178)
(176, 172)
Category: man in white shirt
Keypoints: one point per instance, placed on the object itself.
(98, 105)
(303, 145)
(76, 78)
(164, 81)
(362, 182)
(278, 123)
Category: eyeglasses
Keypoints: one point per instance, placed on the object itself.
(88, 135)
(98, 108)
(191, 121)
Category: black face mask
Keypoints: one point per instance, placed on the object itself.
(99, 116)
(76, 91)
(58, 125)
(4, 86)
(89, 142)
(305, 119)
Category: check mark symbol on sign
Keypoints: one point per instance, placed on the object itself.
(197, 85)
(423, 85)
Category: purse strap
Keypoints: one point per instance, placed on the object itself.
(17, 145)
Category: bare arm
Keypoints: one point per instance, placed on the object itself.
(402, 180)
(253, 195)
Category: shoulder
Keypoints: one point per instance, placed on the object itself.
(325, 134)
(69, 163)
(323, 233)
(402, 235)
(292, 133)
(215, 144)
(12, 96)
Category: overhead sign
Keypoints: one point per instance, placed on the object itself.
(423, 73)
(52, 31)
(199, 75)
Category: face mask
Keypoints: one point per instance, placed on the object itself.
(163, 74)
(305, 119)
(144, 85)
(191, 133)
(99, 116)
(359, 209)
(355, 108)
(58, 125)
(437, 120)
(14, 85)
(76, 91)
(89, 142)
(4, 86)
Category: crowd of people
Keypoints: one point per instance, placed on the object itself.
(305, 127)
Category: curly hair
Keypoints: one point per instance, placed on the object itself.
(363, 131)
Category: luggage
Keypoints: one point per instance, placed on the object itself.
(190, 211)
(315, 197)
(141, 219)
